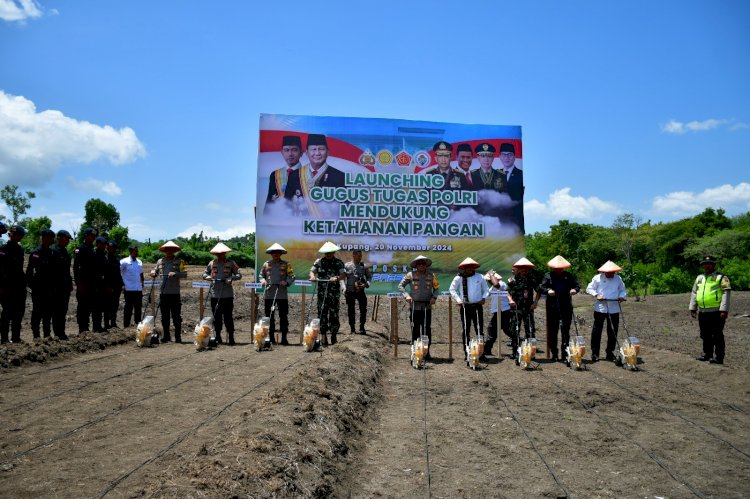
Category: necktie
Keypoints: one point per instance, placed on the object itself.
(289, 171)
(468, 178)
(314, 172)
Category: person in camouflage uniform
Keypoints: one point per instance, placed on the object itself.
(525, 290)
(328, 271)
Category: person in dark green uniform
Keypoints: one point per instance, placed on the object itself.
(328, 271)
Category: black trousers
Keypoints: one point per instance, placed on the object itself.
(41, 311)
(613, 324)
(170, 306)
(60, 303)
(474, 315)
(421, 324)
(555, 311)
(86, 308)
(110, 308)
(353, 298)
(133, 304)
(14, 306)
(283, 307)
(492, 328)
(712, 333)
(223, 308)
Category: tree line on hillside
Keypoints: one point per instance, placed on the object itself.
(659, 258)
(656, 258)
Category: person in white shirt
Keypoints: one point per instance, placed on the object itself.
(499, 289)
(609, 291)
(469, 290)
(131, 270)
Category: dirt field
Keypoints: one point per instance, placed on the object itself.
(96, 416)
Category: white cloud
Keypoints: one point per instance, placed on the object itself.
(209, 231)
(679, 127)
(561, 205)
(34, 144)
(19, 10)
(93, 185)
(687, 203)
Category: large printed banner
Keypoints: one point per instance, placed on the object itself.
(394, 189)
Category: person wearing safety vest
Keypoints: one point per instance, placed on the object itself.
(709, 301)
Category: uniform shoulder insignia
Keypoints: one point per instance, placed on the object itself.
(77, 250)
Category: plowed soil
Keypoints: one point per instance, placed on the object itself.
(96, 416)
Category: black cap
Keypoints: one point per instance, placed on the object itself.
(47, 232)
(64, 233)
(112, 243)
(17, 229)
(485, 149)
(708, 259)
(316, 139)
(89, 231)
(505, 147)
(2, 225)
(463, 147)
(133, 247)
(291, 140)
(442, 146)
(101, 239)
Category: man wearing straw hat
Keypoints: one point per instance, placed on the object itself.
(171, 269)
(328, 271)
(222, 271)
(525, 290)
(276, 275)
(469, 290)
(560, 286)
(423, 293)
(709, 301)
(609, 291)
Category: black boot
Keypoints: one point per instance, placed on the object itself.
(283, 339)
(333, 339)
(231, 339)
(324, 339)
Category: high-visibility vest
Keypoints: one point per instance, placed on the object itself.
(709, 292)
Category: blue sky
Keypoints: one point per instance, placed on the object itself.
(636, 106)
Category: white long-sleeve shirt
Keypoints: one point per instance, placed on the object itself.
(611, 288)
(502, 292)
(476, 287)
(131, 272)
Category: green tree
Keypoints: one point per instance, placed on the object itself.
(100, 215)
(33, 227)
(17, 202)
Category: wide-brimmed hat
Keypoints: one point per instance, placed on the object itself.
(220, 248)
(169, 246)
(468, 262)
(328, 247)
(558, 263)
(609, 266)
(708, 259)
(523, 262)
(276, 247)
(413, 263)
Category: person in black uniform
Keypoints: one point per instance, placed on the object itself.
(559, 286)
(63, 284)
(101, 300)
(12, 285)
(40, 278)
(113, 284)
(84, 273)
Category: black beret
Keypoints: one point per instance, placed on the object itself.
(316, 139)
(442, 146)
(46, 232)
(291, 140)
(101, 239)
(64, 233)
(505, 147)
(15, 228)
(88, 231)
(464, 147)
(112, 243)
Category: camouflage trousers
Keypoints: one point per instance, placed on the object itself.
(328, 312)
